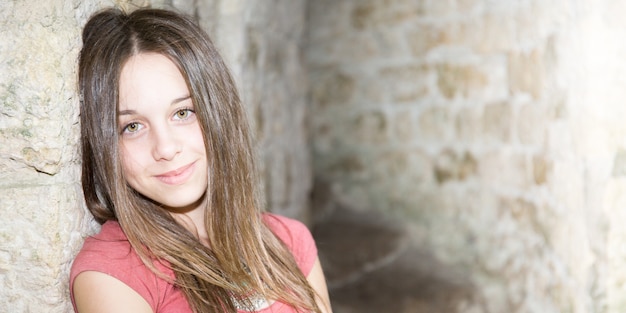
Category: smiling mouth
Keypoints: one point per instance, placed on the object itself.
(177, 176)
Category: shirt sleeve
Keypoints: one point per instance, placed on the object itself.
(117, 259)
(297, 237)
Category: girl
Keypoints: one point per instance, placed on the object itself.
(168, 171)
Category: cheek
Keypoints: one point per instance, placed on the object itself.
(196, 140)
(130, 163)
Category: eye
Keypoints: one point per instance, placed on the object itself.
(131, 127)
(183, 114)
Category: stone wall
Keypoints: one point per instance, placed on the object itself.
(43, 217)
(494, 129)
(40, 204)
(262, 40)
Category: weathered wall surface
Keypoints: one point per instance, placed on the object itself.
(43, 218)
(262, 40)
(40, 206)
(274, 85)
(493, 128)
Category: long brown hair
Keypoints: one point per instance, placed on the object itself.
(245, 257)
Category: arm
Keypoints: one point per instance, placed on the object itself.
(96, 292)
(318, 282)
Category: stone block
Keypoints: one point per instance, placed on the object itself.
(369, 48)
(371, 14)
(327, 136)
(532, 120)
(497, 122)
(425, 37)
(438, 9)
(455, 80)
(407, 83)
(329, 18)
(493, 32)
(541, 169)
(407, 166)
(468, 124)
(404, 126)
(454, 166)
(331, 88)
(436, 124)
(504, 168)
(389, 45)
(527, 72)
(346, 166)
(369, 128)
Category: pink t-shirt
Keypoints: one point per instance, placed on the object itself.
(109, 252)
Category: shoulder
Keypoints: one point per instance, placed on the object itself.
(110, 253)
(296, 236)
(93, 291)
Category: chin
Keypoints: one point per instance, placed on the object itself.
(183, 206)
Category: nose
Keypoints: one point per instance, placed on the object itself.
(166, 145)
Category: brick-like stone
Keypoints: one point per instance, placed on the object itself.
(425, 37)
(404, 126)
(349, 165)
(454, 166)
(334, 88)
(436, 124)
(459, 80)
(468, 124)
(376, 14)
(526, 72)
(532, 121)
(413, 167)
(541, 169)
(407, 83)
(497, 121)
(370, 127)
(506, 169)
(493, 32)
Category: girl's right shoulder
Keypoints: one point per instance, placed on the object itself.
(107, 264)
(95, 292)
(108, 252)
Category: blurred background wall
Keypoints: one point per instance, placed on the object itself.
(491, 130)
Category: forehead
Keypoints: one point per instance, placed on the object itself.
(148, 79)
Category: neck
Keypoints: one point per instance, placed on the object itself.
(192, 218)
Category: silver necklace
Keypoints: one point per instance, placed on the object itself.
(250, 304)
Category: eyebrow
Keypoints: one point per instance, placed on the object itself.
(175, 101)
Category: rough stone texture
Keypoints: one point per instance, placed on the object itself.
(44, 220)
(493, 129)
(262, 42)
(274, 86)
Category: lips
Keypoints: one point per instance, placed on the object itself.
(177, 176)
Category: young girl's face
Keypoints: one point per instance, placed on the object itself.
(161, 144)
